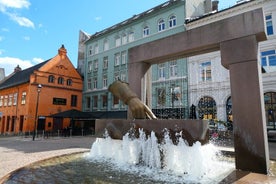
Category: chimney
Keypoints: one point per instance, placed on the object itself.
(17, 69)
(215, 5)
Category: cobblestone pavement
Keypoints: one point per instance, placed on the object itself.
(17, 152)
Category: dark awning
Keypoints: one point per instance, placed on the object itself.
(73, 113)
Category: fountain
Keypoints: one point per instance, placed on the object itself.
(178, 149)
(237, 38)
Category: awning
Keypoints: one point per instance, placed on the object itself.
(74, 114)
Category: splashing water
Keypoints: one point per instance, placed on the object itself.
(163, 161)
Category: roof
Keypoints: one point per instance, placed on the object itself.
(72, 113)
(189, 20)
(76, 114)
(135, 17)
(20, 77)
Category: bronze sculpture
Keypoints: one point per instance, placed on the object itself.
(138, 109)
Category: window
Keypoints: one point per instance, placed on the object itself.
(6, 100)
(89, 84)
(131, 37)
(124, 39)
(268, 58)
(269, 24)
(88, 102)
(173, 69)
(176, 96)
(117, 76)
(14, 98)
(105, 62)
(123, 76)
(96, 64)
(161, 96)
(104, 101)
(51, 79)
(89, 66)
(117, 42)
(161, 25)
(105, 81)
(74, 100)
(60, 80)
(146, 31)
(270, 108)
(161, 71)
(95, 83)
(106, 45)
(205, 71)
(95, 102)
(207, 108)
(172, 21)
(23, 98)
(117, 59)
(229, 115)
(10, 99)
(124, 57)
(1, 101)
(90, 50)
(115, 102)
(69, 82)
(96, 49)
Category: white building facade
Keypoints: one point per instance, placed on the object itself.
(209, 82)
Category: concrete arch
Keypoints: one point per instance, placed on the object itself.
(237, 38)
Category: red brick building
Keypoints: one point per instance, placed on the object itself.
(22, 102)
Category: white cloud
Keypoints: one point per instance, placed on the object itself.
(15, 3)
(27, 38)
(22, 21)
(98, 18)
(1, 51)
(37, 60)
(9, 63)
(1, 38)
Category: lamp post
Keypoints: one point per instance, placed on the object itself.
(39, 86)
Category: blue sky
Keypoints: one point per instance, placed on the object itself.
(32, 31)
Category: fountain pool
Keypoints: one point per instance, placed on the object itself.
(130, 160)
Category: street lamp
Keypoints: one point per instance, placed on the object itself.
(39, 86)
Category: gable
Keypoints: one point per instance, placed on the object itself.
(60, 65)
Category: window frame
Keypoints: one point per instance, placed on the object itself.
(172, 21)
(161, 25)
(269, 24)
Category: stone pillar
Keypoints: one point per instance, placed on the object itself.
(137, 79)
(250, 136)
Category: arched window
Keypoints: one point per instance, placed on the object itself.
(60, 80)
(161, 25)
(69, 82)
(207, 108)
(172, 21)
(51, 79)
(229, 115)
(146, 31)
(270, 109)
